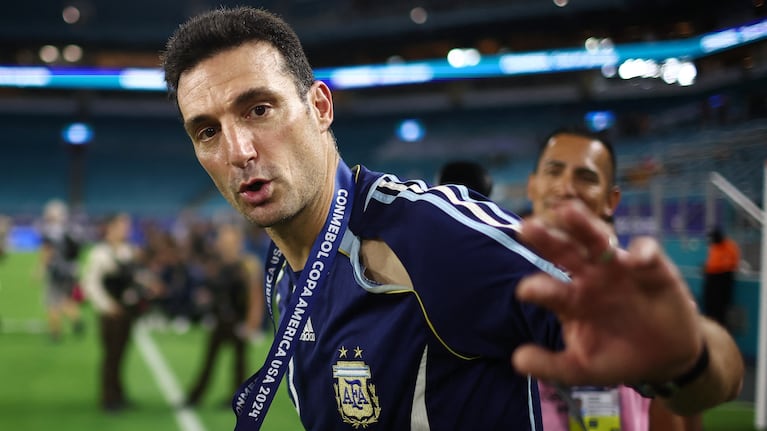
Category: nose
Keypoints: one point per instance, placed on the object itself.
(564, 185)
(240, 145)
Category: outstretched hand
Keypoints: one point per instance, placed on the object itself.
(627, 315)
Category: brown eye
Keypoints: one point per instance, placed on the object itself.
(206, 134)
(259, 111)
(589, 177)
(553, 170)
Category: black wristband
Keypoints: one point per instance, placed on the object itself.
(673, 386)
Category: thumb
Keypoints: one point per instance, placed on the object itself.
(547, 365)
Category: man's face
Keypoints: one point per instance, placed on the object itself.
(573, 167)
(119, 228)
(265, 147)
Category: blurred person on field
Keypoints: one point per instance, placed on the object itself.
(118, 287)
(59, 251)
(577, 164)
(233, 291)
(168, 261)
(722, 261)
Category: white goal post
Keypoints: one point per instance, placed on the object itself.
(739, 199)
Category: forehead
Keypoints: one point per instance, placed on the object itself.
(229, 72)
(577, 150)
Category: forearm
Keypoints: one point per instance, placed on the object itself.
(722, 380)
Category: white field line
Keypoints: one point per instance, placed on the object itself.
(22, 326)
(187, 418)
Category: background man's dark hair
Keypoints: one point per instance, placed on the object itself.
(716, 235)
(584, 133)
(470, 174)
(210, 33)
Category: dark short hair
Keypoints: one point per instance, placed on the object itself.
(716, 235)
(467, 173)
(215, 31)
(583, 133)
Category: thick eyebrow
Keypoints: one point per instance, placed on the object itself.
(248, 96)
(552, 164)
(192, 123)
(580, 170)
(244, 98)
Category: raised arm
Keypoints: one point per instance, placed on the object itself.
(720, 382)
(627, 317)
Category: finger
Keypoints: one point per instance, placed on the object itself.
(546, 291)
(573, 238)
(591, 232)
(565, 368)
(545, 364)
(646, 256)
(649, 262)
(553, 244)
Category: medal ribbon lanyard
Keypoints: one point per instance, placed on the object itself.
(253, 398)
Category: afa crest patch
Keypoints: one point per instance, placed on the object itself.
(355, 393)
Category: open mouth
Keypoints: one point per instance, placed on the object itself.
(254, 186)
(255, 191)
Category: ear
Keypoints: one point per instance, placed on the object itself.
(613, 199)
(321, 100)
(530, 186)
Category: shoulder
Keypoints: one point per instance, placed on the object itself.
(440, 226)
(387, 198)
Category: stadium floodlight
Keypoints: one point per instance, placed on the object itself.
(687, 73)
(669, 71)
(463, 57)
(411, 130)
(77, 134)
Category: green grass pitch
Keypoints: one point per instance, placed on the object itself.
(54, 386)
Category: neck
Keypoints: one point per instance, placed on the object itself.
(296, 237)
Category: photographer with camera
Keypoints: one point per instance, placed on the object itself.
(118, 289)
